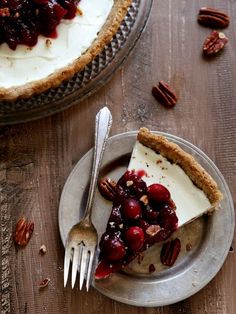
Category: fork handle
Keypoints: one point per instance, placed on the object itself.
(102, 129)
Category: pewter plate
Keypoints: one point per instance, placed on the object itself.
(210, 236)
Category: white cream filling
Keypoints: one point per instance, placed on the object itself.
(191, 202)
(74, 37)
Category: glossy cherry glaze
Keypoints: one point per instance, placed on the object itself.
(140, 217)
(22, 21)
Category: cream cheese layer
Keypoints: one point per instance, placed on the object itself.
(75, 36)
(191, 202)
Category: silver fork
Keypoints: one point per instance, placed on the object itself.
(82, 239)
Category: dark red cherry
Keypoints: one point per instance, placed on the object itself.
(116, 215)
(132, 208)
(133, 184)
(168, 218)
(143, 224)
(59, 11)
(158, 193)
(121, 195)
(171, 204)
(114, 249)
(71, 9)
(151, 214)
(105, 268)
(135, 238)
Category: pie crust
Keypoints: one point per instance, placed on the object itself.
(116, 16)
(192, 168)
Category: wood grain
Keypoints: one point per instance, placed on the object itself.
(37, 157)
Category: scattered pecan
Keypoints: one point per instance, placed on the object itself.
(151, 268)
(170, 251)
(23, 231)
(43, 249)
(152, 230)
(79, 11)
(144, 199)
(48, 43)
(4, 12)
(129, 183)
(214, 43)
(44, 283)
(163, 93)
(107, 187)
(140, 258)
(188, 247)
(213, 18)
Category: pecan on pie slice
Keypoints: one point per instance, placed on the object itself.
(163, 189)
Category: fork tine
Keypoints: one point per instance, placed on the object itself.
(84, 261)
(91, 256)
(75, 263)
(67, 263)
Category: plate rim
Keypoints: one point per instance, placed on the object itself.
(229, 198)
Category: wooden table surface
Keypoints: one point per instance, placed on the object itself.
(37, 157)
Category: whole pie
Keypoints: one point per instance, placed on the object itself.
(163, 189)
(44, 42)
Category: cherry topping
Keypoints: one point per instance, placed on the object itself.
(150, 214)
(137, 211)
(132, 184)
(116, 215)
(22, 21)
(135, 238)
(114, 248)
(158, 193)
(143, 224)
(132, 208)
(105, 268)
(40, 1)
(168, 219)
(141, 173)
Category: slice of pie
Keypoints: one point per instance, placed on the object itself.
(163, 189)
(44, 42)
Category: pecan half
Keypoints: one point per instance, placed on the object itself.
(43, 249)
(163, 93)
(214, 43)
(107, 187)
(23, 231)
(44, 283)
(170, 251)
(213, 18)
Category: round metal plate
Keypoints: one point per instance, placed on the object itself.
(88, 81)
(193, 269)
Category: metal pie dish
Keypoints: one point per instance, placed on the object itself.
(209, 239)
(88, 81)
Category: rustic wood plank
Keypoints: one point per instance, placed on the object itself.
(36, 158)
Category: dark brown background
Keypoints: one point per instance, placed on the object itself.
(36, 158)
